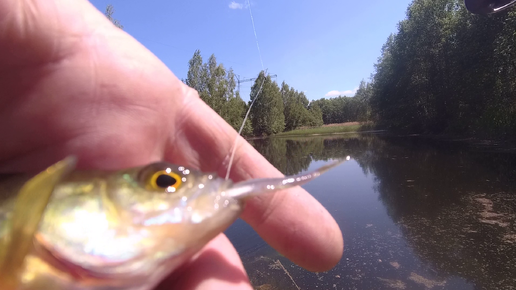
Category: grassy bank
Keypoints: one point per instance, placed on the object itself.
(327, 129)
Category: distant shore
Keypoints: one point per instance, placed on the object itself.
(497, 144)
(329, 129)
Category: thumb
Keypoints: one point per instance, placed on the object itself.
(34, 32)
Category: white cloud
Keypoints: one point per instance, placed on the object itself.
(235, 5)
(348, 93)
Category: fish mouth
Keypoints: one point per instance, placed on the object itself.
(245, 189)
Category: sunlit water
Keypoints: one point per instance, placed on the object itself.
(415, 214)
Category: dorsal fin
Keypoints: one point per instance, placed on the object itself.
(29, 207)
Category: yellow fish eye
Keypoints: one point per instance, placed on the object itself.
(164, 179)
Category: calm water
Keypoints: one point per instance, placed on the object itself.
(415, 214)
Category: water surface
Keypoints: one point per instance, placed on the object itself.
(415, 214)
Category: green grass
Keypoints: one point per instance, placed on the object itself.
(322, 130)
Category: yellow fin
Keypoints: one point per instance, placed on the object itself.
(112, 213)
(28, 211)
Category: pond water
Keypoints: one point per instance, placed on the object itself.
(415, 213)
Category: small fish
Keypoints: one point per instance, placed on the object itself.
(127, 229)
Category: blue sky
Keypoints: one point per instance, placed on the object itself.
(324, 48)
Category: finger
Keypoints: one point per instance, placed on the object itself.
(217, 266)
(198, 135)
(78, 85)
(291, 221)
(43, 30)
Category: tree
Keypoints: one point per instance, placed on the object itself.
(267, 113)
(197, 75)
(216, 87)
(293, 108)
(240, 108)
(110, 10)
(362, 99)
(316, 119)
(446, 70)
(220, 86)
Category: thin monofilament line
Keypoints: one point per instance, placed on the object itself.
(242, 126)
(255, 36)
(233, 150)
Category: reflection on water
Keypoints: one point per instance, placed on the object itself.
(415, 214)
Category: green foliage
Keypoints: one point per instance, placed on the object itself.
(324, 130)
(361, 102)
(216, 87)
(446, 70)
(316, 117)
(267, 115)
(197, 75)
(110, 10)
(295, 109)
(347, 109)
(235, 113)
(276, 109)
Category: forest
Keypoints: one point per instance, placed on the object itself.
(445, 71)
(277, 108)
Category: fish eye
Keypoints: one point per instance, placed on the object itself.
(161, 176)
(164, 179)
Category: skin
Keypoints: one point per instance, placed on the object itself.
(72, 83)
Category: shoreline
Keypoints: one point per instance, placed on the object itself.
(475, 143)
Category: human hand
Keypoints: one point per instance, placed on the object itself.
(72, 83)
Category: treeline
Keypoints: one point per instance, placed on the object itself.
(444, 71)
(345, 109)
(275, 110)
(448, 71)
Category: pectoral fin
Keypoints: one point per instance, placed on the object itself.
(29, 207)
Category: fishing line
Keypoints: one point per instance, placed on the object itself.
(242, 127)
(254, 30)
(233, 150)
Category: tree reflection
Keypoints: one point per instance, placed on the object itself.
(293, 155)
(454, 204)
